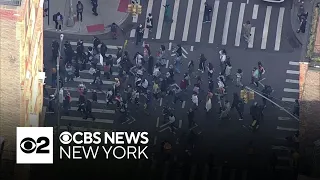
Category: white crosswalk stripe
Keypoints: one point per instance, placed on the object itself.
(187, 23)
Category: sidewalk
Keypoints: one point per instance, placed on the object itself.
(109, 11)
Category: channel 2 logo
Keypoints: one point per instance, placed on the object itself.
(34, 145)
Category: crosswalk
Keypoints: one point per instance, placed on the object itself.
(286, 124)
(104, 115)
(177, 170)
(225, 27)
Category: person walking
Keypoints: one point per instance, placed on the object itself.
(88, 110)
(139, 33)
(167, 16)
(94, 7)
(223, 58)
(202, 61)
(247, 31)
(150, 65)
(79, 11)
(303, 24)
(191, 122)
(150, 22)
(238, 104)
(207, 12)
(58, 19)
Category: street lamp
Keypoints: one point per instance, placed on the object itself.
(70, 21)
(58, 81)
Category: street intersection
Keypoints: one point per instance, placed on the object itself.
(228, 139)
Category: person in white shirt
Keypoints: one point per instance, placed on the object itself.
(195, 99)
(145, 84)
(139, 59)
(223, 58)
(228, 71)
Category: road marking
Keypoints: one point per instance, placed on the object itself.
(173, 55)
(293, 63)
(165, 129)
(255, 11)
(279, 29)
(191, 48)
(183, 104)
(132, 33)
(170, 46)
(240, 22)
(292, 81)
(262, 79)
(91, 80)
(158, 120)
(155, 140)
(149, 10)
(200, 21)
(180, 123)
(161, 18)
(266, 28)
(226, 24)
(174, 18)
(184, 56)
(214, 21)
(167, 63)
(72, 43)
(288, 99)
(251, 38)
(184, 50)
(291, 90)
(71, 118)
(133, 120)
(286, 129)
(247, 1)
(105, 111)
(284, 118)
(261, 84)
(195, 125)
(163, 125)
(293, 72)
(187, 21)
(281, 148)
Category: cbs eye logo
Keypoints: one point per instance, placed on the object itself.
(29, 145)
(65, 137)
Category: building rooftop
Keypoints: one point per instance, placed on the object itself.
(11, 2)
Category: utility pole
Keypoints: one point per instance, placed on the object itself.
(58, 82)
(282, 108)
(70, 21)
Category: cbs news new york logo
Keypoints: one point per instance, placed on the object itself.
(34, 145)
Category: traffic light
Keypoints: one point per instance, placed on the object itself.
(134, 10)
(139, 9)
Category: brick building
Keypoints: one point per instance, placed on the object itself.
(21, 66)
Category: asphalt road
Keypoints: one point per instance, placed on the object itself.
(270, 22)
(229, 139)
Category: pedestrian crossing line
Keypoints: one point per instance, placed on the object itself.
(191, 48)
(149, 10)
(71, 118)
(284, 158)
(226, 24)
(286, 129)
(75, 128)
(183, 104)
(99, 101)
(279, 29)
(91, 44)
(180, 123)
(240, 22)
(284, 118)
(105, 111)
(102, 72)
(161, 18)
(187, 21)
(200, 21)
(292, 81)
(266, 28)
(288, 99)
(73, 89)
(160, 101)
(214, 21)
(291, 90)
(170, 46)
(251, 38)
(255, 11)
(292, 72)
(174, 20)
(132, 33)
(158, 121)
(293, 63)
(91, 80)
(284, 148)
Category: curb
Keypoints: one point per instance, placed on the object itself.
(106, 31)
